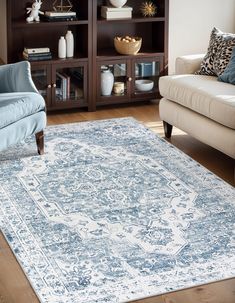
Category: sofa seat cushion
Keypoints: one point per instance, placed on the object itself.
(202, 94)
(16, 106)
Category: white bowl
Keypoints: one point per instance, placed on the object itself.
(118, 3)
(144, 85)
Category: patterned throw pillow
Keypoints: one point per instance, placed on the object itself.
(218, 54)
(228, 75)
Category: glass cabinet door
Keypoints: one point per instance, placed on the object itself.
(40, 76)
(147, 74)
(113, 80)
(69, 85)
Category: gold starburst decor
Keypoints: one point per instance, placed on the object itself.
(62, 5)
(148, 9)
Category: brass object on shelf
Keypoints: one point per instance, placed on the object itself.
(148, 9)
(62, 5)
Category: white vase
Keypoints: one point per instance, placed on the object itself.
(107, 80)
(62, 48)
(69, 44)
(118, 3)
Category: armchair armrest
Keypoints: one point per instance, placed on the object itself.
(188, 64)
(16, 78)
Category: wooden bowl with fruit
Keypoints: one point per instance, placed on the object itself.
(127, 45)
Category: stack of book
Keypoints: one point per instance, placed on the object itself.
(63, 86)
(110, 13)
(37, 54)
(53, 16)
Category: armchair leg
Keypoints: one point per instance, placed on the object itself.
(40, 142)
(167, 129)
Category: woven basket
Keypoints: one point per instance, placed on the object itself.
(130, 48)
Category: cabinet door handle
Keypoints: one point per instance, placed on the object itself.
(49, 86)
(54, 85)
(129, 79)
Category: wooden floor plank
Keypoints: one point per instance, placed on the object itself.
(15, 288)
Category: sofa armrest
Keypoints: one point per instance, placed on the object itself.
(16, 78)
(188, 64)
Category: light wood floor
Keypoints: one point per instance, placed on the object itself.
(14, 287)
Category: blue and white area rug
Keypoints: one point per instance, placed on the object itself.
(113, 213)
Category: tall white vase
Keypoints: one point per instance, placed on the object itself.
(107, 80)
(62, 48)
(69, 44)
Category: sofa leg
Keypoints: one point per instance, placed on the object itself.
(40, 142)
(167, 129)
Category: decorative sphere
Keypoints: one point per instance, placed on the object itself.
(118, 3)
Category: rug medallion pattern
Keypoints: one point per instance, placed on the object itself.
(113, 213)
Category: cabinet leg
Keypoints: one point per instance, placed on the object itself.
(167, 129)
(40, 142)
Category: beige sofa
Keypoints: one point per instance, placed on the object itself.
(199, 105)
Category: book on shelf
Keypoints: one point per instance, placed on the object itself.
(59, 14)
(78, 93)
(63, 86)
(39, 50)
(59, 18)
(37, 56)
(124, 12)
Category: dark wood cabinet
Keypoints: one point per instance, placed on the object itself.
(74, 83)
(127, 71)
(63, 85)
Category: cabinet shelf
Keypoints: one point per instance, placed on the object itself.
(134, 19)
(55, 60)
(111, 54)
(24, 24)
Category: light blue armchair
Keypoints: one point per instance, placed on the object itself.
(22, 108)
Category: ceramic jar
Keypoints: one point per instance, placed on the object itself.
(69, 44)
(118, 88)
(62, 48)
(107, 80)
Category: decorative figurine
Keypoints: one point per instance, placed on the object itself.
(34, 11)
(148, 9)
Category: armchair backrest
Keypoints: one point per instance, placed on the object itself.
(16, 78)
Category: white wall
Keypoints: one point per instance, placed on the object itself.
(190, 24)
(3, 31)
